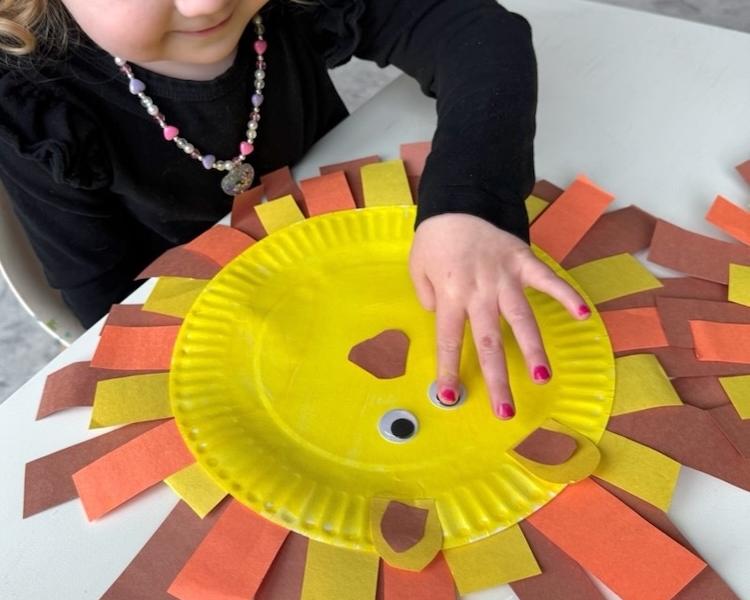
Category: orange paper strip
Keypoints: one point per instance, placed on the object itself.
(725, 342)
(221, 243)
(634, 329)
(327, 193)
(682, 362)
(434, 582)
(130, 469)
(136, 348)
(629, 555)
(559, 228)
(160, 560)
(48, 480)
(353, 171)
(730, 218)
(695, 254)
(233, 558)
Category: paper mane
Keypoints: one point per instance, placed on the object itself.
(676, 380)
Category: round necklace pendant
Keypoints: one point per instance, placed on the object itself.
(238, 180)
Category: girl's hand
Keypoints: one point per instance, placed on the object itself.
(464, 267)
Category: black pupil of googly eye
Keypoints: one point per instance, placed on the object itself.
(402, 428)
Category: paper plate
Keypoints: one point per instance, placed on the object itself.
(268, 402)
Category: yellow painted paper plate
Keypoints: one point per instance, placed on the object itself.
(267, 400)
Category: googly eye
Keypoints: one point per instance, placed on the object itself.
(398, 426)
(432, 394)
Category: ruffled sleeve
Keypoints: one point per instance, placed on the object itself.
(55, 168)
(51, 134)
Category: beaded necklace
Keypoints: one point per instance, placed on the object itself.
(239, 175)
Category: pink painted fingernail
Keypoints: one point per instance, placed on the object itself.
(584, 311)
(447, 396)
(506, 411)
(541, 374)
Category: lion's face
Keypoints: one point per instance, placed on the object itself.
(314, 360)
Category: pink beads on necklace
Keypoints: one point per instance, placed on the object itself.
(241, 179)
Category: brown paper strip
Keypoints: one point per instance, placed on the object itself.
(673, 287)
(701, 392)
(244, 216)
(626, 230)
(181, 262)
(546, 191)
(736, 429)
(675, 314)
(284, 579)
(694, 254)
(280, 183)
(49, 479)
(682, 362)
(561, 576)
(157, 564)
(74, 385)
(690, 436)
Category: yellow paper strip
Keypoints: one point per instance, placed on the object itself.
(196, 488)
(643, 472)
(739, 284)
(131, 399)
(535, 207)
(641, 383)
(738, 390)
(613, 277)
(279, 213)
(336, 572)
(500, 558)
(385, 184)
(174, 295)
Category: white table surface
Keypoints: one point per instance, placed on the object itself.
(653, 109)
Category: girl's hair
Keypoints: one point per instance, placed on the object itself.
(33, 25)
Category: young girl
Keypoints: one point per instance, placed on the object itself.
(126, 124)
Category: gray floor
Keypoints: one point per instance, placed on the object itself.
(25, 348)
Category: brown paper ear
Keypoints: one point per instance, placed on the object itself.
(556, 453)
(406, 533)
(383, 356)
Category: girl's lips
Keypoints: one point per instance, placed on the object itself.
(208, 30)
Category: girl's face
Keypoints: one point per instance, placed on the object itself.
(192, 39)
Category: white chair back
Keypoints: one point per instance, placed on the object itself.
(25, 276)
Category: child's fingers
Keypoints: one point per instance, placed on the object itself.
(485, 327)
(541, 277)
(449, 324)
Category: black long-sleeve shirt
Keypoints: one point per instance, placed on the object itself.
(101, 194)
